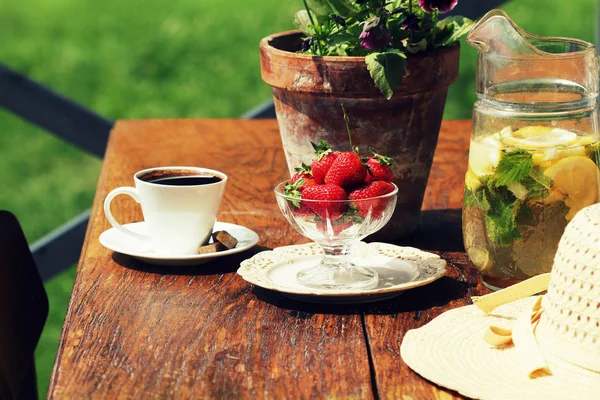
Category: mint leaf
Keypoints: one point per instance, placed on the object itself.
(387, 70)
(534, 189)
(537, 174)
(537, 184)
(505, 207)
(502, 227)
(476, 198)
(485, 203)
(500, 219)
(500, 207)
(471, 198)
(513, 167)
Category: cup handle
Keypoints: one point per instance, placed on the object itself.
(130, 191)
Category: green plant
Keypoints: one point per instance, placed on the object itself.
(383, 31)
(504, 195)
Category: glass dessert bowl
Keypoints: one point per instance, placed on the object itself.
(337, 225)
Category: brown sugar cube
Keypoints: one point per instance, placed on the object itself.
(211, 248)
(225, 238)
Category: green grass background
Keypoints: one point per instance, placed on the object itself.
(158, 59)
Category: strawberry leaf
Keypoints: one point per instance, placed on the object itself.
(383, 160)
(352, 215)
(303, 169)
(321, 149)
(292, 190)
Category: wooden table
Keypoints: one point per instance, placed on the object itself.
(138, 331)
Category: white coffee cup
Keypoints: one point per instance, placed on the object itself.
(179, 209)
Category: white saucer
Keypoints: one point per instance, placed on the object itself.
(399, 268)
(115, 240)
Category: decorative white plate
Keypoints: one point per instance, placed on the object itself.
(399, 269)
(114, 239)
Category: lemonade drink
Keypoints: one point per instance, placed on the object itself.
(521, 189)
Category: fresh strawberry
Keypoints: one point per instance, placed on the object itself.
(302, 172)
(325, 202)
(300, 182)
(338, 226)
(324, 158)
(301, 179)
(302, 211)
(307, 183)
(371, 189)
(321, 166)
(346, 171)
(366, 194)
(379, 168)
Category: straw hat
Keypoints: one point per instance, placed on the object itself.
(541, 347)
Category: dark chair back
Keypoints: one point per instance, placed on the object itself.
(23, 311)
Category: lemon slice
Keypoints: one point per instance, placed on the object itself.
(480, 257)
(472, 181)
(585, 140)
(518, 190)
(540, 137)
(577, 178)
(484, 155)
(554, 153)
(539, 159)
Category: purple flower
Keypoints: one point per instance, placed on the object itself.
(411, 22)
(443, 6)
(306, 44)
(375, 35)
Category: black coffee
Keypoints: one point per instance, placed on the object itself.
(185, 180)
(178, 177)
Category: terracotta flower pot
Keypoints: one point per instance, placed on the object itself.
(308, 92)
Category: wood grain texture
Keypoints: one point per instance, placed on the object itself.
(440, 230)
(386, 328)
(139, 331)
(447, 177)
(135, 331)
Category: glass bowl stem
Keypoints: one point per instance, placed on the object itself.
(336, 271)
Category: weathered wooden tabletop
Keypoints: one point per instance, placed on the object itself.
(138, 331)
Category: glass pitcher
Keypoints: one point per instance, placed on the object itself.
(533, 158)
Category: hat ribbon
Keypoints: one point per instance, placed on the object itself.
(522, 335)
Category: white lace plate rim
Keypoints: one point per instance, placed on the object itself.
(413, 267)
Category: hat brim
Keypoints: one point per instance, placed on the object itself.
(451, 352)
